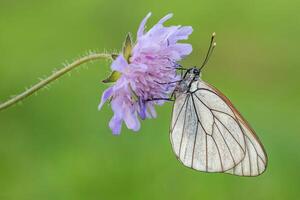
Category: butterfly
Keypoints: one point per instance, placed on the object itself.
(208, 133)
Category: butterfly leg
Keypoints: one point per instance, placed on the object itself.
(168, 82)
(161, 99)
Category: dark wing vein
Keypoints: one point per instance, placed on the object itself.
(215, 117)
(226, 144)
(211, 135)
(179, 113)
(186, 103)
(247, 131)
(220, 158)
(194, 146)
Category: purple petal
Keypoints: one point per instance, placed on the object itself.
(131, 121)
(142, 112)
(159, 34)
(106, 95)
(141, 29)
(165, 18)
(119, 64)
(185, 31)
(117, 104)
(180, 34)
(115, 124)
(151, 113)
(120, 84)
(182, 49)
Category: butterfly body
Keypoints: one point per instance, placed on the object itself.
(186, 84)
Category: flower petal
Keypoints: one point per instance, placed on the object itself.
(132, 121)
(182, 49)
(119, 64)
(165, 18)
(152, 111)
(180, 34)
(106, 95)
(115, 124)
(141, 29)
(142, 112)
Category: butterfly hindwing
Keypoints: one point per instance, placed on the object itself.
(208, 134)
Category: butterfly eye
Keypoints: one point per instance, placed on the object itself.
(196, 71)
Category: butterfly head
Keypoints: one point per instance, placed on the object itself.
(193, 73)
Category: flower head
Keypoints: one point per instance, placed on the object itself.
(142, 69)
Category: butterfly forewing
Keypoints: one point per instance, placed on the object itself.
(208, 134)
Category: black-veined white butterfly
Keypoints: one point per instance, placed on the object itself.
(208, 133)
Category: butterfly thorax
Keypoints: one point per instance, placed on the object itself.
(186, 84)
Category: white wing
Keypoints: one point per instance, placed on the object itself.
(208, 134)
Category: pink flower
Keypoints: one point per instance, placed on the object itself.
(141, 70)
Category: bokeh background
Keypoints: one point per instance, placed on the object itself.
(56, 145)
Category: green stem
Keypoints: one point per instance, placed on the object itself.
(54, 76)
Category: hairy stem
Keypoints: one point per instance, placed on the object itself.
(52, 77)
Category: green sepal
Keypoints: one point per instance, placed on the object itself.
(114, 56)
(114, 76)
(127, 47)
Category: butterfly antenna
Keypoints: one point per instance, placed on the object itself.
(211, 48)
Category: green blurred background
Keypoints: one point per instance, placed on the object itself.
(56, 145)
